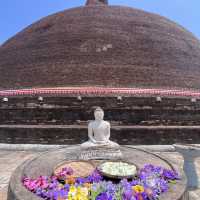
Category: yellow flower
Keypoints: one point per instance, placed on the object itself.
(80, 197)
(72, 192)
(138, 188)
(72, 189)
(80, 193)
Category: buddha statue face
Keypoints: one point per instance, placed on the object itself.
(99, 114)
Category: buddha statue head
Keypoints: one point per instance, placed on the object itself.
(99, 114)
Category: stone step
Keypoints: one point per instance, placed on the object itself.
(141, 111)
(73, 134)
(133, 115)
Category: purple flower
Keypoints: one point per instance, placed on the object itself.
(125, 184)
(163, 185)
(127, 194)
(81, 180)
(95, 177)
(110, 188)
(158, 170)
(141, 196)
(170, 174)
(104, 196)
(67, 171)
(135, 182)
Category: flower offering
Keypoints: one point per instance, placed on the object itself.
(150, 183)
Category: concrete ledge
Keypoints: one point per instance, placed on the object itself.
(155, 148)
(29, 147)
(39, 147)
(187, 146)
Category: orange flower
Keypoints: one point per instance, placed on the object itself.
(140, 197)
(149, 192)
(60, 198)
(87, 185)
(70, 180)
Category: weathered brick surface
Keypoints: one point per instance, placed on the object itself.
(77, 134)
(134, 120)
(101, 46)
(144, 111)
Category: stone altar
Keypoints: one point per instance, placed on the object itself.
(46, 162)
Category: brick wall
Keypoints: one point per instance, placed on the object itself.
(134, 120)
(129, 111)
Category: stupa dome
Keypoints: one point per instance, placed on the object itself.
(101, 45)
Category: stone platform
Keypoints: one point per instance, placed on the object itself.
(45, 163)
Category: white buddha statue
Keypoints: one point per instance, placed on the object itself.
(99, 132)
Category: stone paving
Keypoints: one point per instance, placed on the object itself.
(9, 160)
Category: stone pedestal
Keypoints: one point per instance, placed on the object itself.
(100, 153)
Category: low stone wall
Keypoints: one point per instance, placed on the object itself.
(133, 135)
